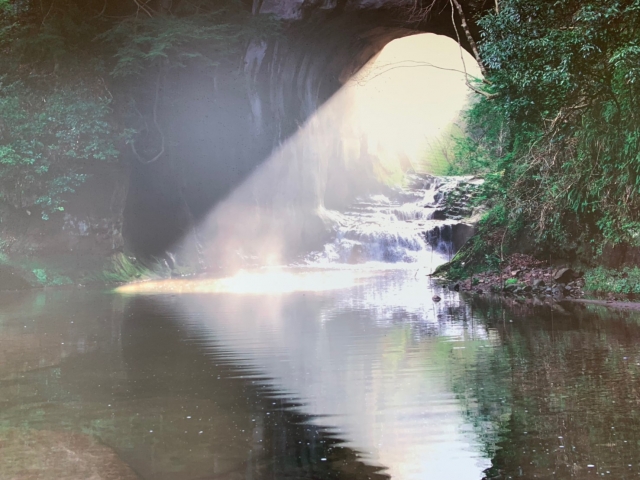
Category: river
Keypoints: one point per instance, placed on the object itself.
(362, 381)
(339, 367)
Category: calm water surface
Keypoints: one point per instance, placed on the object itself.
(364, 377)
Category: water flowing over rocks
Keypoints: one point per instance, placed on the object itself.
(414, 225)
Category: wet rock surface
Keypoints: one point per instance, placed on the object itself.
(523, 275)
(44, 454)
(454, 199)
(453, 203)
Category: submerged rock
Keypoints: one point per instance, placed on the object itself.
(43, 454)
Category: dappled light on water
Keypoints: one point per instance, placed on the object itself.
(264, 282)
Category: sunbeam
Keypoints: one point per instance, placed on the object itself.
(377, 127)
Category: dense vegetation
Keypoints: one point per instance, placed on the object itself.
(67, 98)
(557, 132)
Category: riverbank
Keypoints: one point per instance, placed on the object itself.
(522, 274)
(525, 277)
(24, 272)
(492, 260)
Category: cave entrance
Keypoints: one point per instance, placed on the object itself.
(264, 157)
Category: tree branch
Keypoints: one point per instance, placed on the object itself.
(472, 43)
(464, 65)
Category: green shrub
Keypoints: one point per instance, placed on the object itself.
(122, 269)
(48, 138)
(45, 278)
(603, 280)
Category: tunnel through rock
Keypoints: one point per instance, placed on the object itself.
(221, 128)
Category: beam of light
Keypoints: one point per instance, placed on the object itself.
(257, 283)
(375, 128)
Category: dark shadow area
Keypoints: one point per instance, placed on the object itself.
(556, 396)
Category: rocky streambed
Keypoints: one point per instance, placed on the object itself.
(523, 275)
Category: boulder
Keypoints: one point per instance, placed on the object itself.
(439, 215)
(564, 275)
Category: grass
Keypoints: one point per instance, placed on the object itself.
(122, 268)
(69, 269)
(604, 280)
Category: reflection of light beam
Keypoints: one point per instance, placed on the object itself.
(253, 283)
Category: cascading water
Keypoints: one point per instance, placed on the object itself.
(395, 228)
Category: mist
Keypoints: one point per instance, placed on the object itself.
(364, 139)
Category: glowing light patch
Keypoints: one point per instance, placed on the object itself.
(271, 282)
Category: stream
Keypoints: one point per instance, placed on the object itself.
(338, 367)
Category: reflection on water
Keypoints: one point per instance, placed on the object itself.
(369, 379)
(369, 362)
(265, 282)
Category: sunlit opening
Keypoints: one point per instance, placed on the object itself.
(381, 124)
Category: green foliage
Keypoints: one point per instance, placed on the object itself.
(41, 275)
(122, 268)
(56, 104)
(603, 280)
(45, 278)
(511, 281)
(562, 133)
(47, 137)
(482, 150)
(55, 109)
(191, 35)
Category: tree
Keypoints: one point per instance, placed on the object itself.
(565, 76)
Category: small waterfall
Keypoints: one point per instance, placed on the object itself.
(392, 228)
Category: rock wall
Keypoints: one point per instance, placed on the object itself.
(222, 127)
(91, 223)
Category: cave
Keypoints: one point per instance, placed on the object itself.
(220, 128)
